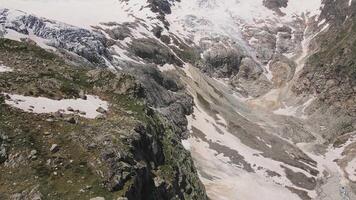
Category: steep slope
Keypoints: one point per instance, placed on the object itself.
(272, 81)
(60, 150)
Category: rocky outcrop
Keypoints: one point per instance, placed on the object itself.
(329, 73)
(250, 79)
(161, 6)
(152, 51)
(132, 152)
(221, 62)
(165, 93)
(275, 5)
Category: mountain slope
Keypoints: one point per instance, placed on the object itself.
(127, 151)
(273, 82)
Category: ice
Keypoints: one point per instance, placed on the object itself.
(46, 105)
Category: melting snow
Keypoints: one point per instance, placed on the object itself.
(230, 181)
(351, 169)
(166, 67)
(45, 105)
(14, 35)
(186, 144)
(328, 162)
(3, 68)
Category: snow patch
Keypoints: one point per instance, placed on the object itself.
(4, 68)
(186, 144)
(230, 180)
(14, 35)
(166, 67)
(351, 170)
(39, 105)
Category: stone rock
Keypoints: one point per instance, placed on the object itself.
(98, 198)
(47, 133)
(158, 181)
(100, 117)
(71, 120)
(33, 154)
(92, 146)
(3, 151)
(3, 154)
(54, 148)
(82, 95)
(82, 113)
(101, 110)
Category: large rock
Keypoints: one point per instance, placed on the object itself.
(3, 149)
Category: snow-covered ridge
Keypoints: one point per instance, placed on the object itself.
(225, 16)
(51, 34)
(87, 108)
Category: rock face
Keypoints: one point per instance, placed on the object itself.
(275, 5)
(329, 74)
(221, 62)
(153, 52)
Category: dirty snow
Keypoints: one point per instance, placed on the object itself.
(351, 170)
(328, 163)
(230, 181)
(46, 105)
